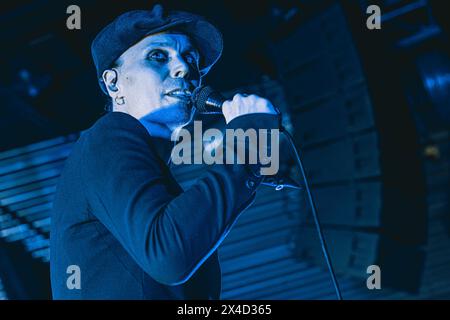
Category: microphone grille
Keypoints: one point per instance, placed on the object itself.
(200, 96)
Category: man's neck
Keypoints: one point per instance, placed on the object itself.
(157, 130)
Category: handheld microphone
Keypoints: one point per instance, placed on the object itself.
(207, 100)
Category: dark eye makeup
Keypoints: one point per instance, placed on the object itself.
(160, 55)
(191, 59)
(157, 55)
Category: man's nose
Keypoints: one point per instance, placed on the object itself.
(179, 68)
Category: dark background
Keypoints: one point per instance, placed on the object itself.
(369, 110)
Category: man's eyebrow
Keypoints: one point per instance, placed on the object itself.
(159, 44)
(188, 48)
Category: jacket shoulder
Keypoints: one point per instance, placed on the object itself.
(117, 120)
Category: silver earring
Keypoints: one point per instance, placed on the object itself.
(119, 100)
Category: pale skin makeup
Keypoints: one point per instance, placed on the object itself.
(153, 79)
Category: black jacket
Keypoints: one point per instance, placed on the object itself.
(121, 217)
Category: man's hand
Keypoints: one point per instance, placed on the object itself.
(243, 104)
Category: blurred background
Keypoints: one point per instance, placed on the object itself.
(369, 110)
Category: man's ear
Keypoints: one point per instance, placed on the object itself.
(109, 77)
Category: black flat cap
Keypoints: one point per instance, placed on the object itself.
(131, 27)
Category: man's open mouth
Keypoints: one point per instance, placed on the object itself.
(180, 93)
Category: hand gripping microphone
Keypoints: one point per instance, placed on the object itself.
(209, 101)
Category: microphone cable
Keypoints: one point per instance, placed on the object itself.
(205, 95)
(314, 214)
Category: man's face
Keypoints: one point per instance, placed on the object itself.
(153, 76)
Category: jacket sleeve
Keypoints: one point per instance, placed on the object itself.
(168, 233)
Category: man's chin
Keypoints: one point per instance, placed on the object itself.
(173, 117)
(182, 118)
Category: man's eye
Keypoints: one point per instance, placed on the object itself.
(190, 59)
(158, 55)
